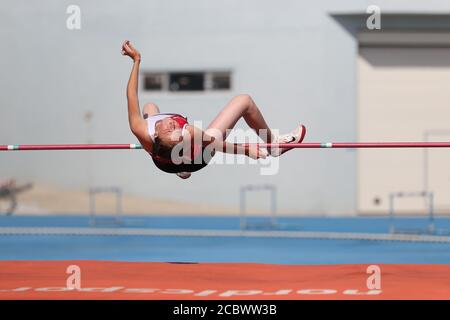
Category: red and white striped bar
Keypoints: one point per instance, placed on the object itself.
(307, 145)
(358, 145)
(24, 147)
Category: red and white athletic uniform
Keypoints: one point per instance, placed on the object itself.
(164, 163)
(152, 120)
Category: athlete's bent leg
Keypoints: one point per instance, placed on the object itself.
(241, 106)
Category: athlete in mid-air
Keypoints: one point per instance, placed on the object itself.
(161, 133)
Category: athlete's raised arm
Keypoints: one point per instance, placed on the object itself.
(137, 124)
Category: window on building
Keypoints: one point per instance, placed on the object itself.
(221, 81)
(153, 81)
(187, 81)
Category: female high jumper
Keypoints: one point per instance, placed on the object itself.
(164, 135)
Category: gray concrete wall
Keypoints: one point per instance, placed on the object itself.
(293, 57)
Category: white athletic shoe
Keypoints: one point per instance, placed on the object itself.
(295, 136)
(183, 175)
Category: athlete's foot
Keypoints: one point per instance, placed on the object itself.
(295, 136)
(183, 175)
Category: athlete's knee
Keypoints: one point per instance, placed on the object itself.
(244, 98)
(246, 101)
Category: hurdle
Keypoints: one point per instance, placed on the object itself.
(95, 220)
(244, 224)
(429, 196)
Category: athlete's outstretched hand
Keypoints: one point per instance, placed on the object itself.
(254, 152)
(129, 50)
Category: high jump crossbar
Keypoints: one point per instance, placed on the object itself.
(307, 145)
